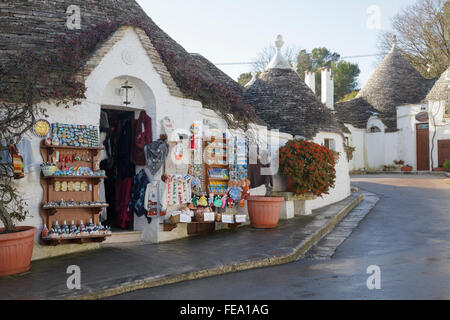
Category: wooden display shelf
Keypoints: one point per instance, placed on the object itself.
(95, 209)
(78, 240)
(72, 148)
(75, 213)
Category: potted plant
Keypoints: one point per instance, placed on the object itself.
(264, 212)
(350, 150)
(16, 243)
(407, 168)
(308, 167)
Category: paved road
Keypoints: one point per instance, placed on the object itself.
(407, 235)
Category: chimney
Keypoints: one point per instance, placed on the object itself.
(310, 80)
(328, 88)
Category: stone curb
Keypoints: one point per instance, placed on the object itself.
(296, 253)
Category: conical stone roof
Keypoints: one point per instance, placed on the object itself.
(37, 24)
(285, 102)
(394, 83)
(441, 90)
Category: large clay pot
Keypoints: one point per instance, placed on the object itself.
(16, 250)
(264, 212)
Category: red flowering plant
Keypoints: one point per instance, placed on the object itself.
(311, 167)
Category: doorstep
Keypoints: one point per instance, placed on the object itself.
(123, 237)
(115, 270)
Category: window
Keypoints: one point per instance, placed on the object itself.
(330, 144)
(374, 129)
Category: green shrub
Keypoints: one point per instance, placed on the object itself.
(447, 165)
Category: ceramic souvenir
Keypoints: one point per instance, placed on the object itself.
(71, 186)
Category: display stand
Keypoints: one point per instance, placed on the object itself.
(69, 213)
(221, 156)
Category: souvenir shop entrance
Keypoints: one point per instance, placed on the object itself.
(116, 129)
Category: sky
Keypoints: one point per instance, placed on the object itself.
(236, 30)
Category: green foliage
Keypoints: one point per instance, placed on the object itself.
(322, 57)
(350, 96)
(304, 63)
(345, 73)
(345, 78)
(244, 78)
(447, 165)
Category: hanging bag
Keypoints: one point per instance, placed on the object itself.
(17, 163)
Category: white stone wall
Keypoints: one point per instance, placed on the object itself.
(342, 186)
(357, 140)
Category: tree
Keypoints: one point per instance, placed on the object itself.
(304, 63)
(345, 78)
(345, 73)
(423, 34)
(245, 78)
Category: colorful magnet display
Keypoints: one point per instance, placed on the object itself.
(75, 135)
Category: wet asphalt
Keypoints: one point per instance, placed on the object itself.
(407, 235)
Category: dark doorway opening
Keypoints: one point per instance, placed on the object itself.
(119, 169)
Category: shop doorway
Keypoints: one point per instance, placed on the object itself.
(423, 147)
(117, 140)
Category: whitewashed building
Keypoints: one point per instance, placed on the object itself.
(138, 58)
(398, 116)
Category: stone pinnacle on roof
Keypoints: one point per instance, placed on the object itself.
(279, 61)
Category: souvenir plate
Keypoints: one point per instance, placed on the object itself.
(41, 128)
(71, 186)
(83, 186)
(64, 186)
(77, 186)
(57, 186)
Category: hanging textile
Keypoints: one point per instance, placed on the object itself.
(179, 189)
(156, 194)
(142, 136)
(255, 172)
(179, 158)
(125, 167)
(106, 132)
(137, 197)
(156, 154)
(123, 212)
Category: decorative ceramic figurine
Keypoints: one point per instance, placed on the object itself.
(235, 191)
(218, 202)
(211, 199)
(195, 200)
(203, 202)
(55, 141)
(45, 231)
(224, 201)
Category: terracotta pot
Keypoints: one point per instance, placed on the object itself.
(407, 169)
(16, 250)
(264, 212)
